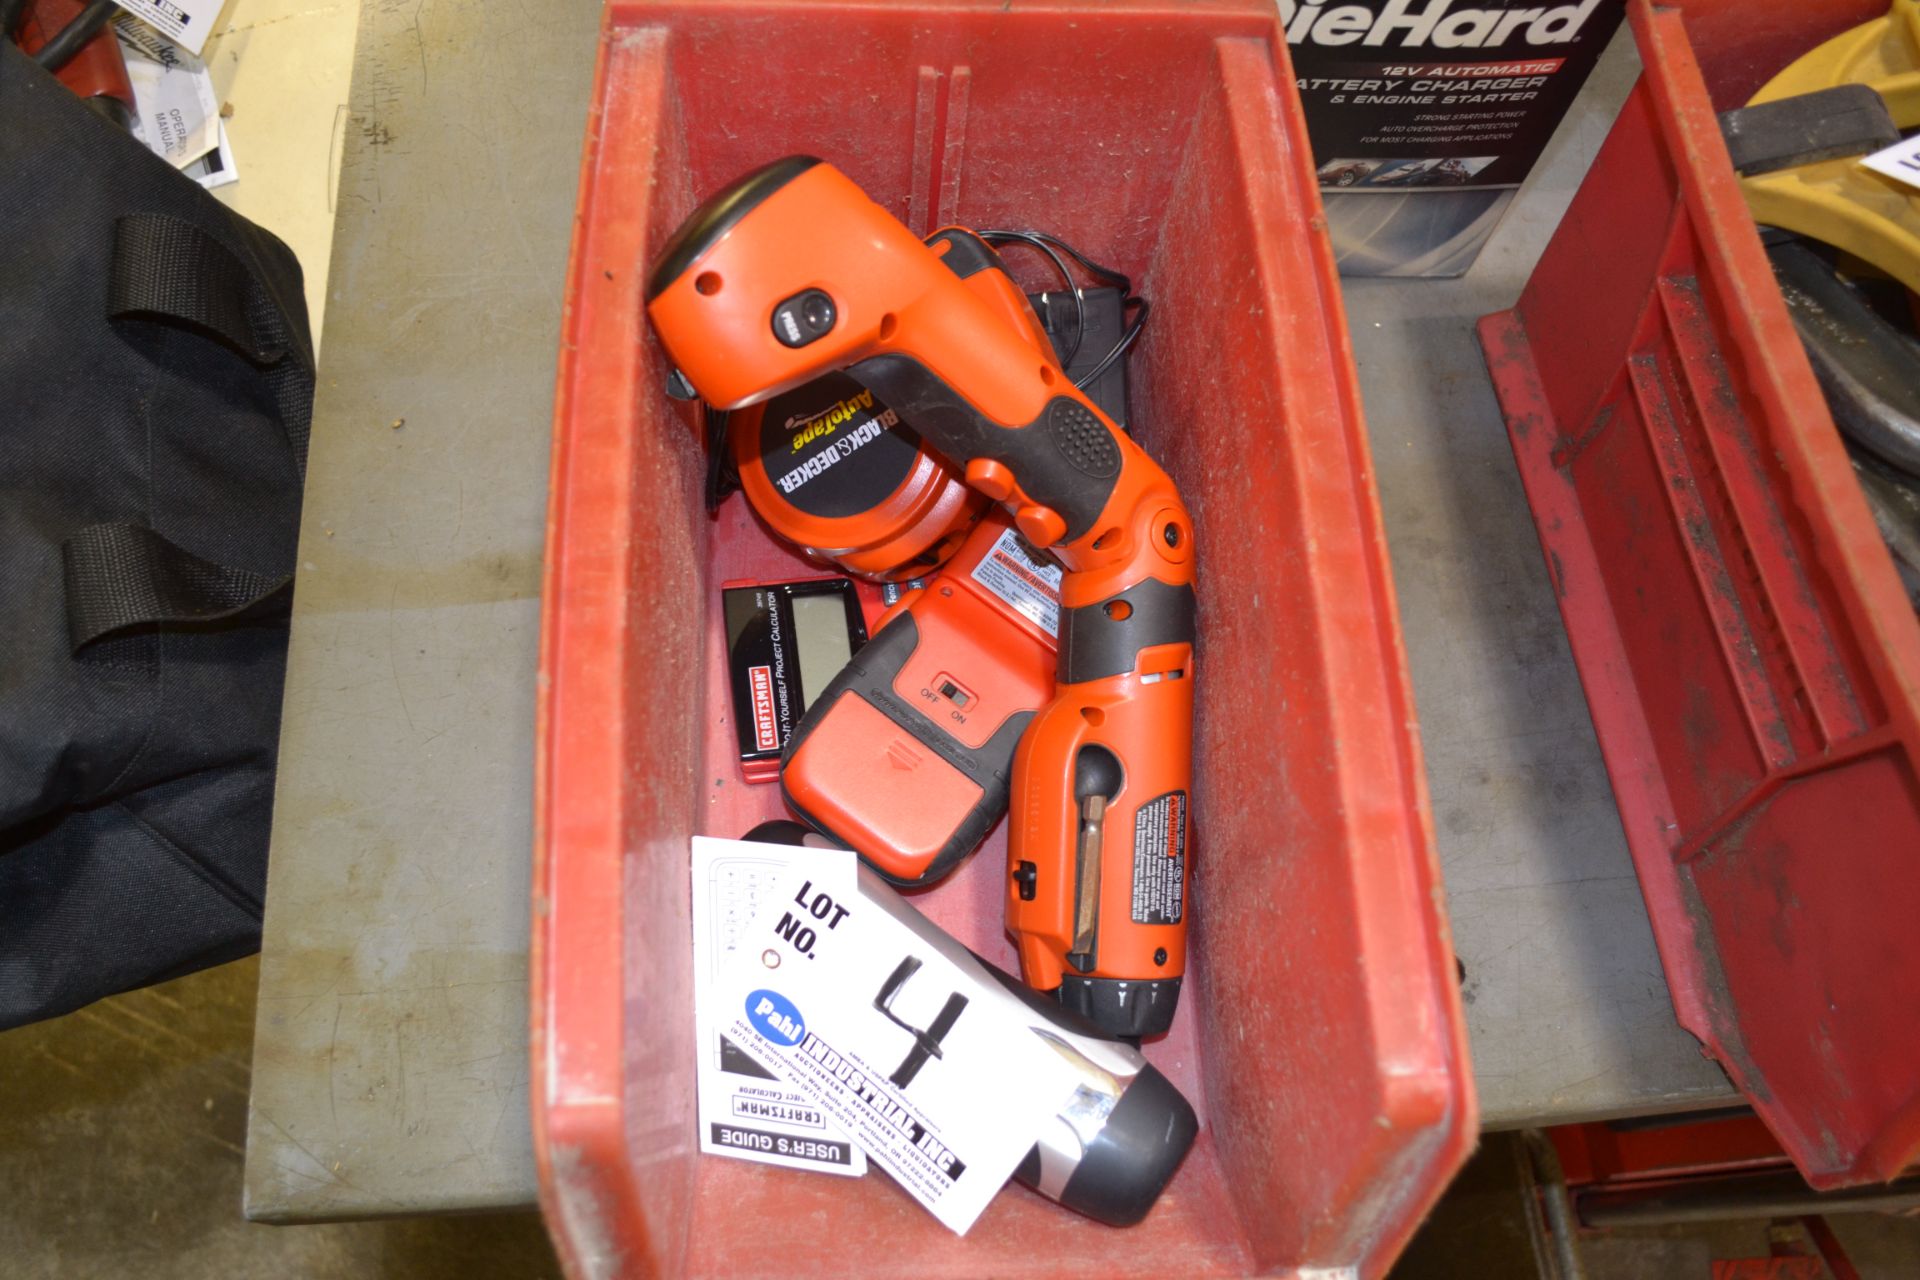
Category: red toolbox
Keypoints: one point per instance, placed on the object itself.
(1320, 1036)
(1751, 662)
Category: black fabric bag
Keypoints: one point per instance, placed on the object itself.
(156, 382)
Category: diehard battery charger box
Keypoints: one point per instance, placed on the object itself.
(1426, 116)
(1320, 1038)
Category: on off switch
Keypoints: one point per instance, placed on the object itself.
(1026, 880)
(1042, 526)
(991, 478)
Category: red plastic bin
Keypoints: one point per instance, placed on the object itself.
(1741, 44)
(1320, 1035)
(1750, 660)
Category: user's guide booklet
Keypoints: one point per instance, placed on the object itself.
(744, 1110)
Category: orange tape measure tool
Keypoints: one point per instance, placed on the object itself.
(834, 472)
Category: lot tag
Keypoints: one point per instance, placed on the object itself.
(894, 1042)
(744, 1111)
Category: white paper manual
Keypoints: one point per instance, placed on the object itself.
(216, 168)
(187, 23)
(176, 112)
(1900, 161)
(744, 1111)
(940, 1084)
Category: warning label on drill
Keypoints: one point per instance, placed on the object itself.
(1160, 859)
(870, 1023)
(1027, 579)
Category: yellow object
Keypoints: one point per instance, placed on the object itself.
(1841, 202)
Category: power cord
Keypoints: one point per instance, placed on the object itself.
(1053, 247)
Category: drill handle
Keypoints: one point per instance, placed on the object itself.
(1064, 462)
(1027, 436)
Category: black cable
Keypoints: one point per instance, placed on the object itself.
(86, 24)
(721, 477)
(1108, 274)
(10, 14)
(1047, 244)
(1034, 240)
(1127, 339)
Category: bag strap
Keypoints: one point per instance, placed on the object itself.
(121, 575)
(170, 269)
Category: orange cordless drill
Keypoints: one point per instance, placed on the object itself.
(792, 271)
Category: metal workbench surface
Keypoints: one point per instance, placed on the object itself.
(390, 1052)
(1567, 1009)
(390, 1061)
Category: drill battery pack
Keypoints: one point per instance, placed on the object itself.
(907, 757)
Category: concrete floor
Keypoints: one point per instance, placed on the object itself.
(121, 1144)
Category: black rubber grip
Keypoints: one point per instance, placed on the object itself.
(1121, 1006)
(718, 214)
(1826, 124)
(1066, 458)
(869, 676)
(966, 254)
(1095, 644)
